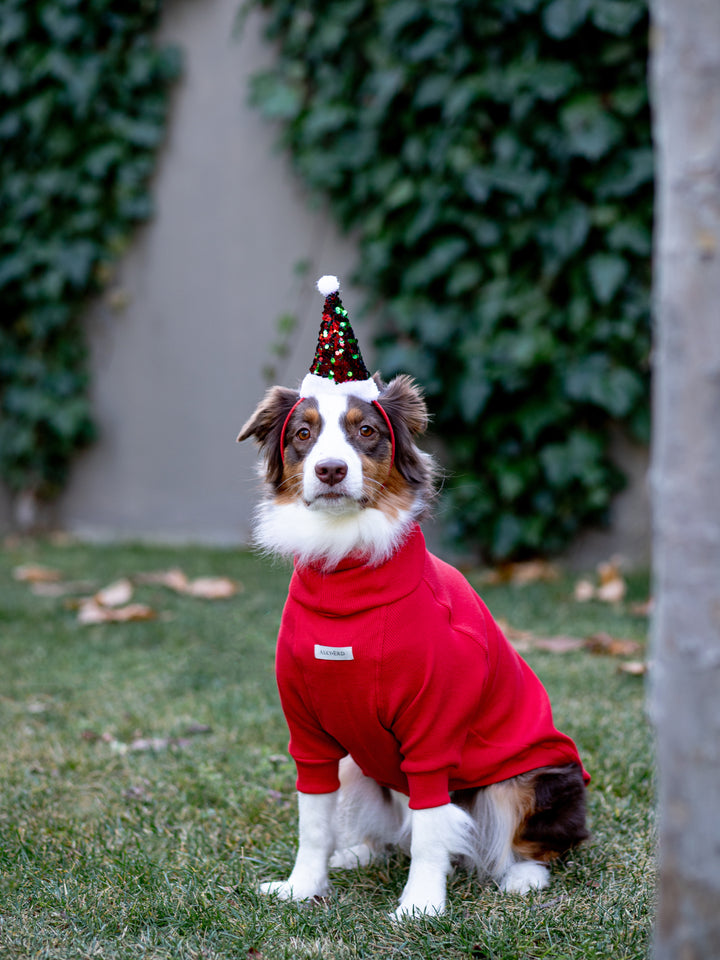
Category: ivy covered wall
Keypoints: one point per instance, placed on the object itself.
(83, 102)
(493, 158)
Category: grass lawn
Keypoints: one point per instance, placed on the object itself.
(145, 789)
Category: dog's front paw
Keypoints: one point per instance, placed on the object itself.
(293, 889)
(276, 888)
(421, 900)
(524, 877)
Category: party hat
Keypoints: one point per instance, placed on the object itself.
(338, 366)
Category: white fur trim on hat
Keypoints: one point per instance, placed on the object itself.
(313, 386)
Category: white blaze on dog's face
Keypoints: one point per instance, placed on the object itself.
(332, 469)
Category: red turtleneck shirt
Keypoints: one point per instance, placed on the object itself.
(403, 667)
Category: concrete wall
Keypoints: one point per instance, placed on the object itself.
(179, 342)
(178, 369)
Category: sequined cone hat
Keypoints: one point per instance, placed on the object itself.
(338, 366)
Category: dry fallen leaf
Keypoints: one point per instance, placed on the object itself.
(197, 729)
(173, 579)
(528, 571)
(612, 591)
(115, 594)
(515, 636)
(611, 586)
(584, 591)
(212, 588)
(133, 611)
(643, 609)
(534, 571)
(559, 644)
(600, 643)
(35, 573)
(92, 612)
(604, 643)
(609, 570)
(206, 588)
(144, 744)
(635, 668)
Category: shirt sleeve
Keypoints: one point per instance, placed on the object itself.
(315, 752)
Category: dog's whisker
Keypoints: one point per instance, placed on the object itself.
(289, 481)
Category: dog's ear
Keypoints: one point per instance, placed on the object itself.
(403, 402)
(266, 426)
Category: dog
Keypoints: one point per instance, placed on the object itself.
(414, 723)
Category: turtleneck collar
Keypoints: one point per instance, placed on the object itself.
(354, 585)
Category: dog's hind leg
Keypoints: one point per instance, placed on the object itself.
(309, 877)
(498, 812)
(370, 818)
(526, 822)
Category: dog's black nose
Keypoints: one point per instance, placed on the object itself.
(331, 471)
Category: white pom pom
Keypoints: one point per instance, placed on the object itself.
(328, 284)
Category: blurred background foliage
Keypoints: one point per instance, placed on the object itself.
(493, 159)
(83, 100)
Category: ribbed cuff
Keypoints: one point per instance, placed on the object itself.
(428, 789)
(313, 777)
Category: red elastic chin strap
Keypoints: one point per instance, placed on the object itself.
(375, 403)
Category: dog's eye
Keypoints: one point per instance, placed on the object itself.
(366, 430)
(302, 434)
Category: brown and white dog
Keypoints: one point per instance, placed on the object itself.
(345, 479)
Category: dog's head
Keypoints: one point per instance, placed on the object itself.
(343, 473)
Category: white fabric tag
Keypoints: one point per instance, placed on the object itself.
(333, 653)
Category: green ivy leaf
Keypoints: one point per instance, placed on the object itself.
(441, 256)
(573, 460)
(633, 235)
(590, 129)
(561, 18)
(607, 273)
(465, 276)
(277, 99)
(475, 389)
(76, 261)
(565, 235)
(616, 16)
(633, 170)
(596, 380)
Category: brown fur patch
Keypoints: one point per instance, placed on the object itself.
(554, 821)
(290, 486)
(545, 809)
(354, 417)
(307, 416)
(396, 495)
(265, 425)
(403, 403)
(375, 473)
